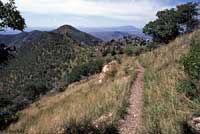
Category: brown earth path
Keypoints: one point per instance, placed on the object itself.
(132, 121)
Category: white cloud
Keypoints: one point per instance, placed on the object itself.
(89, 7)
(140, 11)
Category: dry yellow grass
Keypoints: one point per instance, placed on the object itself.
(165, 108)
(83, 102)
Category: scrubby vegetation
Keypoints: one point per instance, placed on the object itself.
(128, 45)
(47, 64)
(85, 70)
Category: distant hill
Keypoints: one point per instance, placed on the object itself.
(77, 35)
(22, 38)
(9, 31)
(109, 33)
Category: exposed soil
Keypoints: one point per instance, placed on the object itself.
(132, 121)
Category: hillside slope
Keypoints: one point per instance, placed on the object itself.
(42, 65)
(166, 108)
(90, 106)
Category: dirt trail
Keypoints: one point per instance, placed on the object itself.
(133, 119)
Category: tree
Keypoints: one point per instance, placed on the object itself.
(165, 28)
(187, 16)
(169, 23)
(10, 16)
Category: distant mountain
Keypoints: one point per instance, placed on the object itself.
(108, 36)
(77, 35)
(109, 33)
(22, 38)
(111, 29)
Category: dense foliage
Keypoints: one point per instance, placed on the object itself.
(170, 23)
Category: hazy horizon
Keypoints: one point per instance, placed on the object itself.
(127, 28)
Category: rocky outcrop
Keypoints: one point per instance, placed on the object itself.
(107, 68)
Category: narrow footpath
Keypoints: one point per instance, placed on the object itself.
(132, 120)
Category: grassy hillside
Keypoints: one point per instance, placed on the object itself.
(166, 108)
(84, 107)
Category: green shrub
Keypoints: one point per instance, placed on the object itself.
(133, 50)
(190, 90)
(85, 70)
(34, 90)
(191, 61)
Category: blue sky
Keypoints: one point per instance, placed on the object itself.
(91, 13)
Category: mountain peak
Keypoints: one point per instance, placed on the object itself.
(65, 29)
(77, 35)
